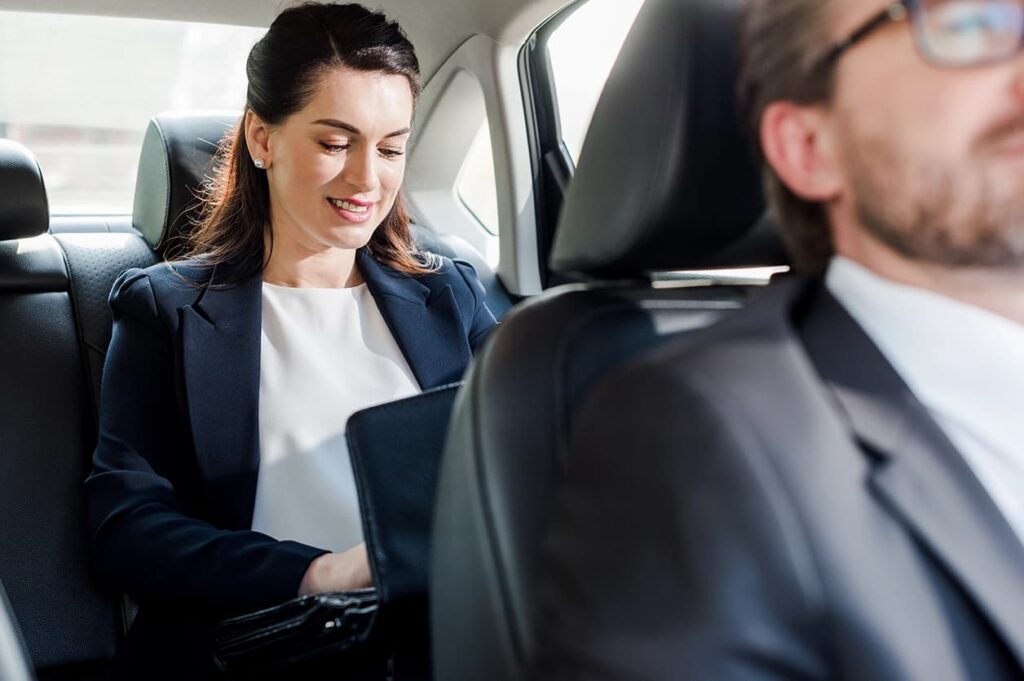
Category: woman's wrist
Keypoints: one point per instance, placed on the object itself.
(337, 572)
(311, 580)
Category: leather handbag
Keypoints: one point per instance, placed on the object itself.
(296, 632)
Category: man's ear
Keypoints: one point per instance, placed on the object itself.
(257, 138)
(797, 144)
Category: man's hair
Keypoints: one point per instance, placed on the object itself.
(782, 42)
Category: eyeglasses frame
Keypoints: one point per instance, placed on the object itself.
(893, 13)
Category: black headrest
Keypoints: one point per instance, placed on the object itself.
(24, 211)
(177, 156)
(667, 179)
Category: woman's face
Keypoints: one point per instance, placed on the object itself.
(335, 167)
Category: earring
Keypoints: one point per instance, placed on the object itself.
(259, 163)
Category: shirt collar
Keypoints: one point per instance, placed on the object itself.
(962, 362)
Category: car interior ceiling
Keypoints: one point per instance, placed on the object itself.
(508, 22)
(631, 211)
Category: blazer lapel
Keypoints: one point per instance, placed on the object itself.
(424, 321)
(220, 336)
(918, 475)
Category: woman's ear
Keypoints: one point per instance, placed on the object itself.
(257, 138)
(797, 144)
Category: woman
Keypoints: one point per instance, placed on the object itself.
(221, 481)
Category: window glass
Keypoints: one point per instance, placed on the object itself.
(582, 51)
(79, 90)
(476, 187)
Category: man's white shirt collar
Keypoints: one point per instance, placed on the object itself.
(965, 364)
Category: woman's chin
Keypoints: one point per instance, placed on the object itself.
(348, 237)
(348, 245)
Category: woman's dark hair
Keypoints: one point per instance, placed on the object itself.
(283, 70)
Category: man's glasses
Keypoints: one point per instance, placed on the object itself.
(950, 33)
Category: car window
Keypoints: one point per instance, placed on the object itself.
(581, 52)
(79, 91)
(476, 185)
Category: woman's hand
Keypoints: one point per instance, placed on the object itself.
(338, 572)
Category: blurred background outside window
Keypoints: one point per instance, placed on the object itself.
(582, 52)
(79, 90)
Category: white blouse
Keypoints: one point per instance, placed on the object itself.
(325, 354)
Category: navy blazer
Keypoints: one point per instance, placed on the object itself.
(172, 490)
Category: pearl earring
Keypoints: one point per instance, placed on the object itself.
(259, 163)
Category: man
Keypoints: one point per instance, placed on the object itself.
(830, 484)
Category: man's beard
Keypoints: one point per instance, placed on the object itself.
(952, 216)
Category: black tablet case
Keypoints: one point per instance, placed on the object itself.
(396, 451)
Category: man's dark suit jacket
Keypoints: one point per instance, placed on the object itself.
(768, 500)
(174, 480)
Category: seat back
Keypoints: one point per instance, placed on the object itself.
(678, 190)
(94, 260)
(505, 455)
(70, 625)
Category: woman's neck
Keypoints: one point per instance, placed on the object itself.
(292, 265)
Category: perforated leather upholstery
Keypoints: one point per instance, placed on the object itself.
(506, 445)
(94, 261)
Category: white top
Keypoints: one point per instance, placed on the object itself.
(965, 364)
(324, 354)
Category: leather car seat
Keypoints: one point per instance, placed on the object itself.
(666, 182)
(70, 625)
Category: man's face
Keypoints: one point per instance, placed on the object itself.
(931, 160)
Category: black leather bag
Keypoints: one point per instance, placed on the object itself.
(296, 632)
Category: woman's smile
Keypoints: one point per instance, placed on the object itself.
(351, 210)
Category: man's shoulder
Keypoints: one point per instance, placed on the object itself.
(747, 388)
(748, 344)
